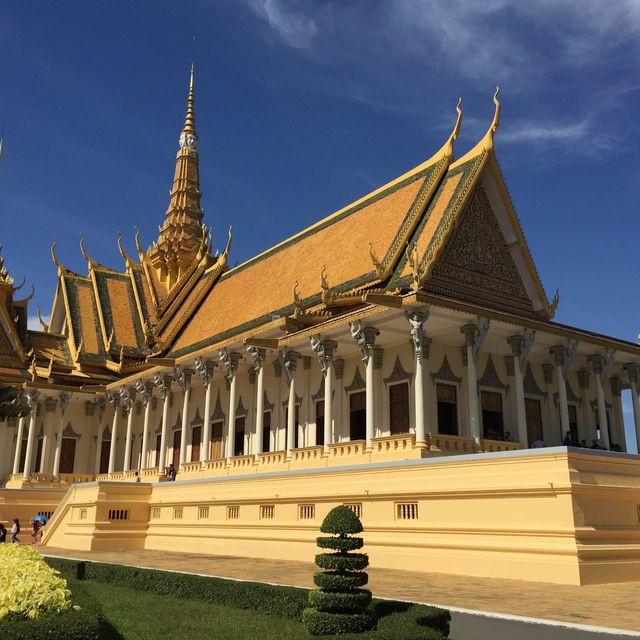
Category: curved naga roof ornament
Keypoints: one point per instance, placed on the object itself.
(54, 257)
(123, 253)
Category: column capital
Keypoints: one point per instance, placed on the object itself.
(204, 370)
(229, 361)
(162, 384)
(633, 371)
(516, 342)
(474, 334)
(416, 321)
(145, 391)
(126, 398)
(182, 375)
(289, 362)
(31, 397)
(616, 386)
(596, 360)
(187, 373)
(258, 355)
(364, 337)
(113, 399)
(323, 350)
(563, 354)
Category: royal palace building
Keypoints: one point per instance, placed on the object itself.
(399, 356)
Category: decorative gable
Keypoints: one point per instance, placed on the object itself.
(476, 264)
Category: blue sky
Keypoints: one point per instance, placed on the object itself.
(303, 106)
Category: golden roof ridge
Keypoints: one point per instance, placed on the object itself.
(486, 143)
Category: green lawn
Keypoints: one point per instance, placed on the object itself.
(147, 616)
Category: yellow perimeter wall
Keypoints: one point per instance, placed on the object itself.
(553, 515)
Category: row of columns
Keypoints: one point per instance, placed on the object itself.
(29, 421)
(364, 337)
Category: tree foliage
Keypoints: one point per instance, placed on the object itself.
(12, 403)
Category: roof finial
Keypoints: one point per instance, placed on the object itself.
(85, 255)
(496, 115)
(188, 136)
(447, 147)
(486, 143)
(54, 257)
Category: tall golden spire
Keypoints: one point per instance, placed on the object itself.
(180, 239)
(190, 119)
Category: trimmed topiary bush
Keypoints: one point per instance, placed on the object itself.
(340, 605)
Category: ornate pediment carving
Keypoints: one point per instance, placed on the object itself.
(357, 383)
(476, 264)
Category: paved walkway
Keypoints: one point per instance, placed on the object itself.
(598, 605)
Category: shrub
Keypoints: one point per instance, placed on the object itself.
(340, 606)
(84, 621)
(281, 602)
(30, 587)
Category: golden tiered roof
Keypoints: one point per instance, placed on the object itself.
(445, 228)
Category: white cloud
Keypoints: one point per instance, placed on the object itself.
(290, 22)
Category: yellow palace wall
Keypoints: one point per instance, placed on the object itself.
(555, 515)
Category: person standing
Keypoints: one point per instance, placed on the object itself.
(15, 530)
(34, 532)
(3, 533)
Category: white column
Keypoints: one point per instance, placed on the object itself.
(49, 411)
(416, 322)
(64, 401)
(338, 409)
(324, 350)
(328, 403)
(145, 391)
(186, 373)
(230, 363)
(277, 418)
(290, 363)
(597, 364)
(633, 371)
(587, 431)
(560, 358)
(28, 460)
(115, 405)
(127, 403)
(258, 356)
(16, 457)
(516, 342)
(472, 343)
(204, 369)
(163, 384)
(365, 338)
(101, 426)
